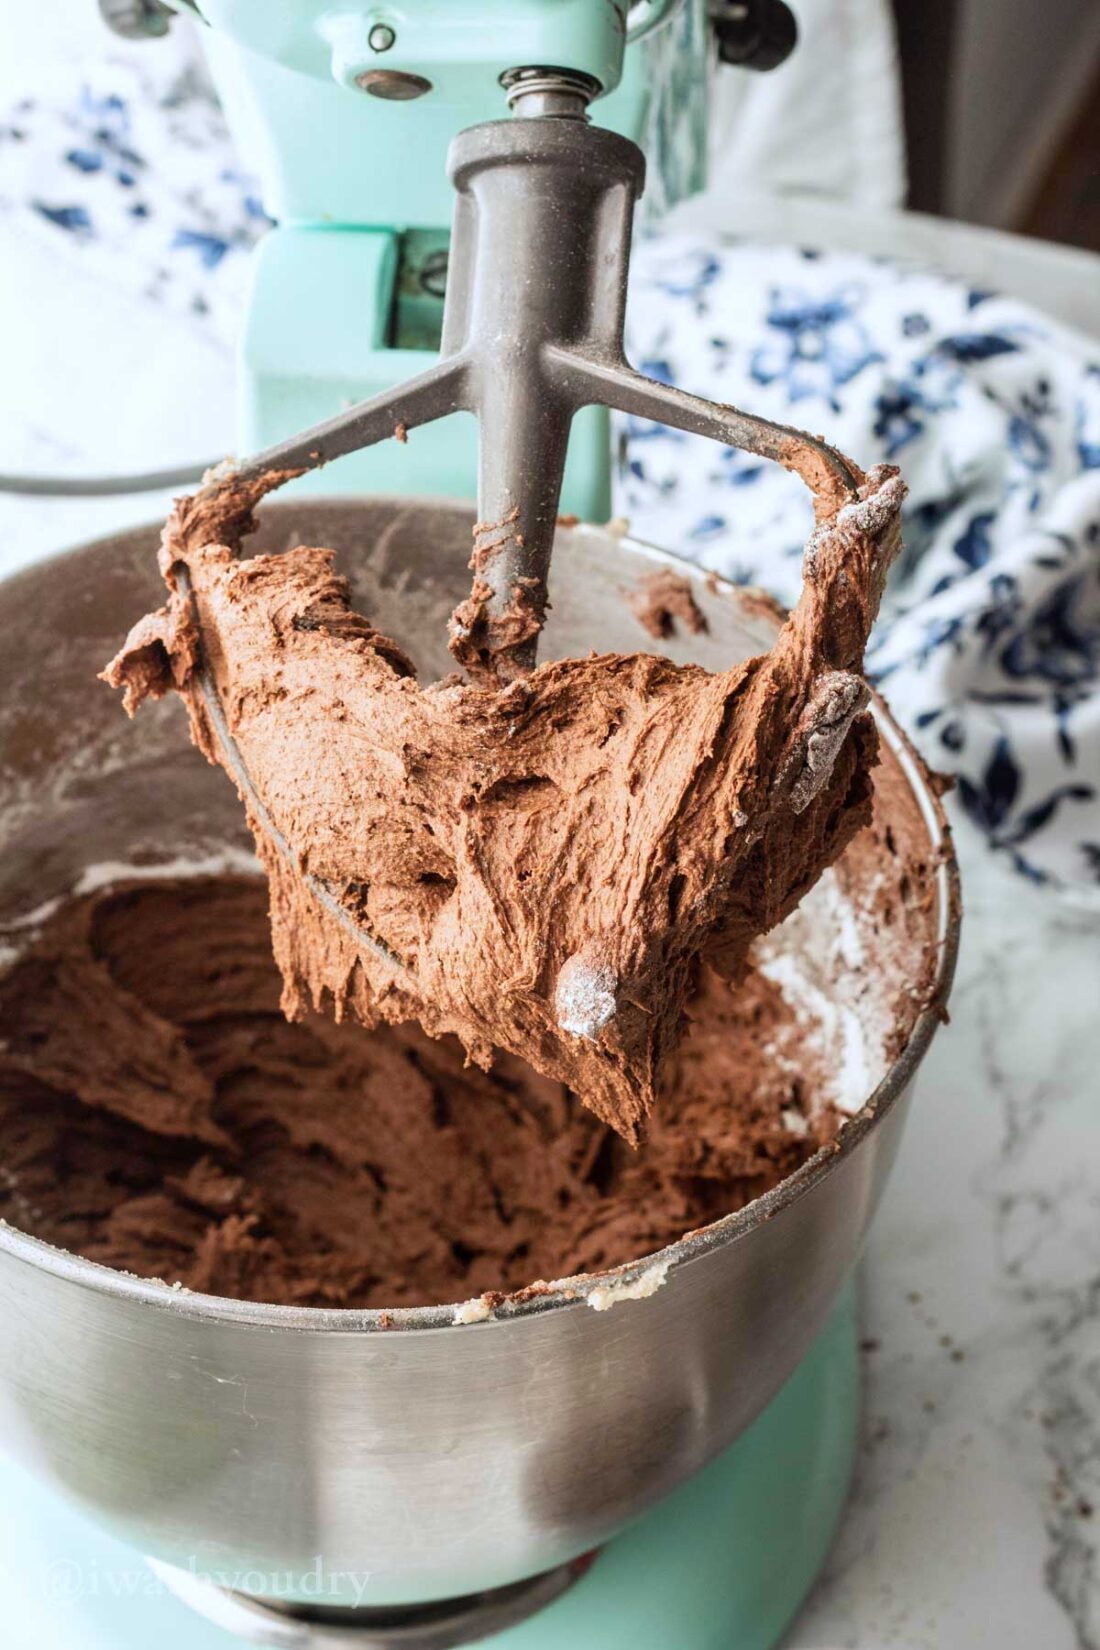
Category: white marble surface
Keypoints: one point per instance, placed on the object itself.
(972, 1523)
(976, 1514)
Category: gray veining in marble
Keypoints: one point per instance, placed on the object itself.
(976, 1514)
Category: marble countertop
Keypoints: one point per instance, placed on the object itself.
(975, 1518)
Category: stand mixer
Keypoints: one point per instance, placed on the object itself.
(469, 1469)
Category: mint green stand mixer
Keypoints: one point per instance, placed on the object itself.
(348, 112)
(348, 289)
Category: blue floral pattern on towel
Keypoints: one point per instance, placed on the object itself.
(989, 645)
(815, 345)
(134, 165)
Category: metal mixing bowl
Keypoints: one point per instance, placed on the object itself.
(439, 1458)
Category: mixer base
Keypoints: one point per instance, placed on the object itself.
(722, 1564)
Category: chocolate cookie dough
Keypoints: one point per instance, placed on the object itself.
(663, 600)
(538, 868)
(160, 1115)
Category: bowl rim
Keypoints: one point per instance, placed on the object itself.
(647, 1271)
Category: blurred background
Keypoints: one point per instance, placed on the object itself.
(1002, 113)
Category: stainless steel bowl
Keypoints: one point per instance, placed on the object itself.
(438, 1458)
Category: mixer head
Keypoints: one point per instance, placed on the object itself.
(533, 331)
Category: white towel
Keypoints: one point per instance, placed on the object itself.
(828, 123)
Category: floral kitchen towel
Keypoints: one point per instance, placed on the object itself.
(122, 164)
(989, 645)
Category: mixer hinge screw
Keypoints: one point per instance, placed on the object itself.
(394, 85)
